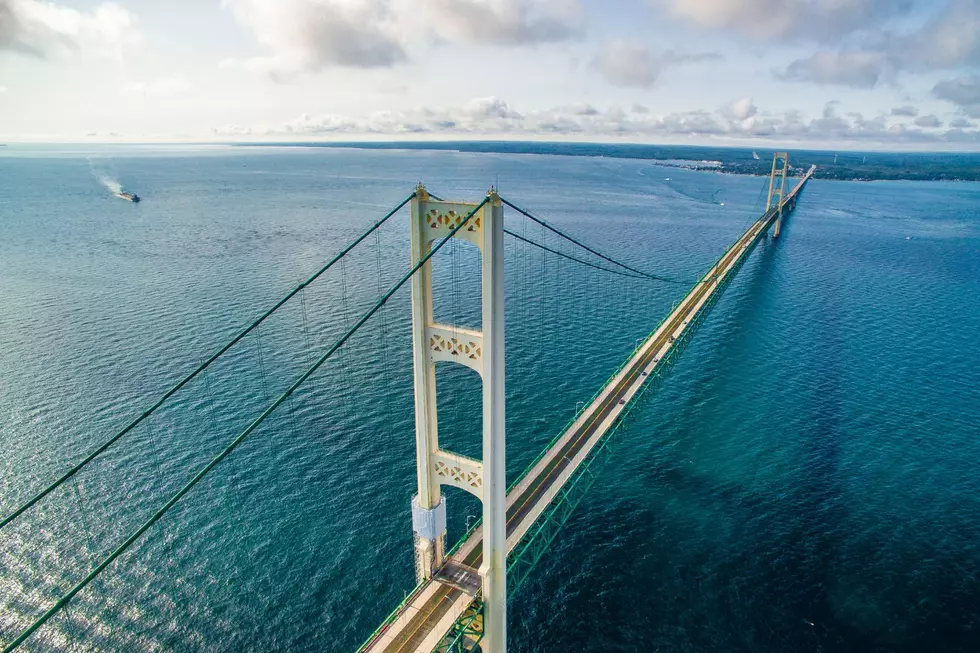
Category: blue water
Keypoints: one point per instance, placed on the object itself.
(805, 479)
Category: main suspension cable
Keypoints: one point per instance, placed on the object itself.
(573, 258)
(63, 601)
(187, 379)
(586, 247)
(635, 272)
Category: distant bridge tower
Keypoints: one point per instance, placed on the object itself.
(777, 187)
(482, 351)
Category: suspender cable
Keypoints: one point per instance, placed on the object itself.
(586, 247)
(63, 601)
(169, 393)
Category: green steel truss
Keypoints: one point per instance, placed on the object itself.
(466, 633)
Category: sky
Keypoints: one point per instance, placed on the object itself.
(858, 74)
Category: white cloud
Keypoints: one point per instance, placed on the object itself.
(861, 44)
(492, 114)
(3, 89)
(302, 36)
(512, 22)
(495, 118)
(626, 63)
(481, 115)
(961, 91)
(858, 69)
(47, 29)
(950, 38)
(693, 123)
(777, 20)
(741, 109)
(176, 85)
(930, 121)
(908, 111)
(960, 123)
(580, 109)
(103, 135)
(308, 35)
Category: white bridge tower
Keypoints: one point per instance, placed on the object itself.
(482, 351)
(777, 186)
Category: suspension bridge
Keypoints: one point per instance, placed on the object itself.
(460, 600)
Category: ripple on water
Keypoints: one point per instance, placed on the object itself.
(804, 480)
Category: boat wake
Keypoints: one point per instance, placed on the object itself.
(109, 181)
(100, 170)
(112, 185)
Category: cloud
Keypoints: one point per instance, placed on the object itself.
(784, 20)
(481, 115)
(3, 89)
(46, 29)
(862, 41)
(929, 121)
(304, 36)
(692, 123)
(964, 92)
(309, 35)
(950, 38)
(741, 109)
(857, 68)
(487, 113)
(102, 134)
(176, 85)
(496, 118)
(580, 109)
(626, 63)
(509, 22)
(830, 122)
(907, 110)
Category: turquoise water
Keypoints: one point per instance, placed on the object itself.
(804, 480)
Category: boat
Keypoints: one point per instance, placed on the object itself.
(129, 197)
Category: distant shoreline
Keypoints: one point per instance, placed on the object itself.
(842, 166)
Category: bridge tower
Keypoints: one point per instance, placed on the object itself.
(483, 352)
(777, 187)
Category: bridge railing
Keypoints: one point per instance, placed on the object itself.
(579, 412)
(392, 617)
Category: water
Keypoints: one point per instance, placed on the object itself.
(804, 480)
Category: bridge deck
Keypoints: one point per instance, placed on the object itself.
(423, 621)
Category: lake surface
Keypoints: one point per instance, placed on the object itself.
(805, 479)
